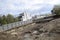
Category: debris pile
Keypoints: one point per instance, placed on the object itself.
(40, 31)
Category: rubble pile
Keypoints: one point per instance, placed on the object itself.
(37, 31)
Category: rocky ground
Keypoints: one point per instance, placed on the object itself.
(35, 31)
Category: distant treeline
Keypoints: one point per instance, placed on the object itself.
(6, 19)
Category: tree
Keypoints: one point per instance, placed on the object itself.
(56, 10)
(3, 20)
(16, 19)
(20, 16)
(10, 18)
(0, 20)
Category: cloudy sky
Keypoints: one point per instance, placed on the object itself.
(31, 6)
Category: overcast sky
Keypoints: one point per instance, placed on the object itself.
(32, 6)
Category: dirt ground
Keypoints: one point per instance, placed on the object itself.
(35, 31)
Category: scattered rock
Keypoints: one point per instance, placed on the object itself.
(35, 32)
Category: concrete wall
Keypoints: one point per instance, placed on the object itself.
(13, 25)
